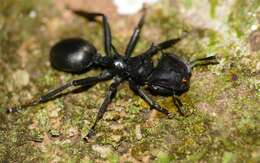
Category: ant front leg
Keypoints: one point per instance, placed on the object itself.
(135, 36)
(146, 98)
(90, 81)
(177, 102)
(109, 96)
(154, 49)
(91, 16)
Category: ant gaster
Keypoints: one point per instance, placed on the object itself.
(170, 77)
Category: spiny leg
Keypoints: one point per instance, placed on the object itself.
(154, 49)
(109, 96)
(91, 16)
(135, 36)
(105, 75)
(146, 98)
(177, 102)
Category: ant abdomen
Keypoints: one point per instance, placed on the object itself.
(74, 55)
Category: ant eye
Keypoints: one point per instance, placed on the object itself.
(184, 80)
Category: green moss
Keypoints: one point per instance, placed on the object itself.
(213, 5)
(242, 16)
(222, 105)
(113, 158)
(227, 157)
(163, 158)
(188, 3)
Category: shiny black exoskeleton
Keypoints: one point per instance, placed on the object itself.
(170, 77)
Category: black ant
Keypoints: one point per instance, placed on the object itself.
(170, 77)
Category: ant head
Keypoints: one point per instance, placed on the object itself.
(170, 75)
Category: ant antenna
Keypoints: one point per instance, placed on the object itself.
(212, 60)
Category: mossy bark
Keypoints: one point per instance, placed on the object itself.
(222, 104)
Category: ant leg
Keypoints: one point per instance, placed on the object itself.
(109, 96)
(154, 49)
(177, 102)
(146, 98)
(91, 16)
(105, 75)
(135, 37)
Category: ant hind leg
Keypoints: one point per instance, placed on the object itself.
(108, 99)
(90, 81)
(91, 16)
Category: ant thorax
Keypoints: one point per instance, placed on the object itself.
(119, 64)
